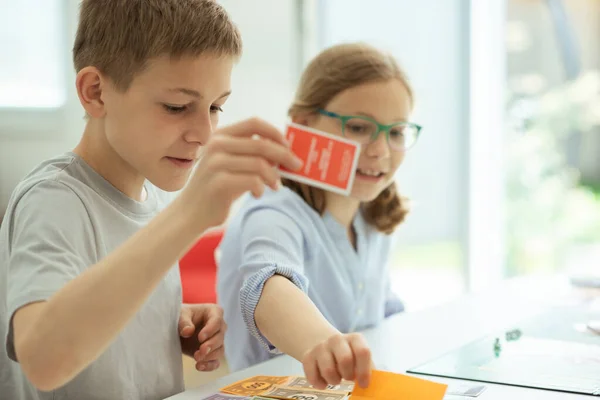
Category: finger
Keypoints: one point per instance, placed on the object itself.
(254, 126)
(200, 313)
(234, 185)
(213, 326)
(362, 356)
(186, 326)
(208, 366)
(211, 344)
(344, 357)
(311, 371)
(273, 153)
(214, 354)
(254, 165)
(187, 331)
(328, 367)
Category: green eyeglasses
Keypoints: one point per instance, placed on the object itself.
(400, 136)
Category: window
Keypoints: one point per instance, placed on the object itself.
(552, 179)
(35, 39)
(32, 40)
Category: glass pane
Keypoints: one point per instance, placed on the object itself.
(552, 167)
(32, 37)
(359, 130)
(402, 136)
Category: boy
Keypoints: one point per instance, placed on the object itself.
(90, 298)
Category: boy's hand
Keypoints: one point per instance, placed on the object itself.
(339, 357)
(235, 162)
(202, 330)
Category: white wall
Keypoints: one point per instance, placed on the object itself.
(264, 81)
(26, 136)
(430, 40)
(263, 85)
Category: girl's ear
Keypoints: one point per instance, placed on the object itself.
(304, 119)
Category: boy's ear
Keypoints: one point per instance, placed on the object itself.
(90, 84)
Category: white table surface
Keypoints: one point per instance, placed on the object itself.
(410, 339)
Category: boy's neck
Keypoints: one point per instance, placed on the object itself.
(95, 150)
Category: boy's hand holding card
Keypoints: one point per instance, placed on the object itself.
(330, 161)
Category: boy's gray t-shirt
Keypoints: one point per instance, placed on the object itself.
(62, 219)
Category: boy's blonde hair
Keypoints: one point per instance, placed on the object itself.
(119, 36)
(334, 70)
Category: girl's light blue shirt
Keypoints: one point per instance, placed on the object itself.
(281, 234)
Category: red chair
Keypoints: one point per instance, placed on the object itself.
(198, 269)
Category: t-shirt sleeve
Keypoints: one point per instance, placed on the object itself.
(51, 241)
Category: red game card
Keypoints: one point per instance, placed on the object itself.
(329, 160)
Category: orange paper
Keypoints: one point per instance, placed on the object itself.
(390, 386)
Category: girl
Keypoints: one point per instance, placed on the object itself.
(302, 268)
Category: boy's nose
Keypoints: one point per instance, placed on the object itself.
(200, 131)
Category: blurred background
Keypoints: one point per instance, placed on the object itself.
(505, 180)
